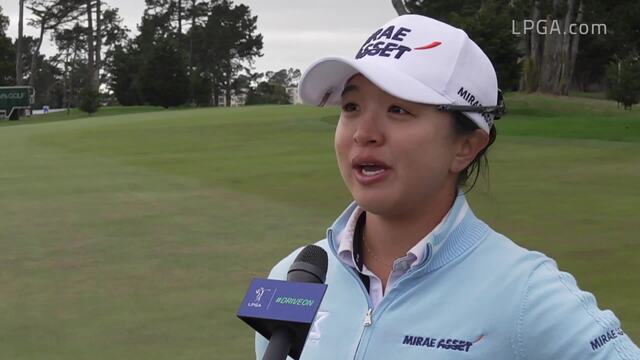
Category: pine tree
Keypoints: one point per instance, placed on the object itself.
(7, 54)
(164, 80)
(624, 81)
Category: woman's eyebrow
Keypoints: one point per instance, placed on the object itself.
(348, 88)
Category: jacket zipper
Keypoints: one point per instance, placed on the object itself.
(368, 318)
(367, 322)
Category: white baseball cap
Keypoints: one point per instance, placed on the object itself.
(419, 59)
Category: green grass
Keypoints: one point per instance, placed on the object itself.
(566, 117)
(591, 95)
(74, 114)
(134, 236)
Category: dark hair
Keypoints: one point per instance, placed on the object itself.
(464, 126)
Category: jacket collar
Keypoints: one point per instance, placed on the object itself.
(460, 231)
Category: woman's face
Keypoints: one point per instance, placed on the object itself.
(395, 156)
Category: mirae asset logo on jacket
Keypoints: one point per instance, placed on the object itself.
(386, 42)
(445, 344)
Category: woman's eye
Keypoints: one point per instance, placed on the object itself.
(348, 107)
(398, 110)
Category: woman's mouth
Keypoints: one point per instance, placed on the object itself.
(371, 170)
(370, 173)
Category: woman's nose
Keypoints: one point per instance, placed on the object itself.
(368, 130)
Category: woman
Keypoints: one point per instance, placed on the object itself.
(413, 274)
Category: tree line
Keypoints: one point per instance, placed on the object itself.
(85, 33)
(549, 58)
(192, 52)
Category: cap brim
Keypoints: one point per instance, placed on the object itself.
(324, 81)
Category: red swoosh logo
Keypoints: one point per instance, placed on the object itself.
(429, 46)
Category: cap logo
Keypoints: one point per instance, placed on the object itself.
(470, 98)
(385, 42)
(429, 46)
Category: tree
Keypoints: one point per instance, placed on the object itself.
(48, 15)
(556, 60)
(284, 77)
(98, 46)
(624, 81)
(125, 68)
(598, 49)
(92, 83)
(28, 51)
(268, 93)
(197, 11)
(49, 83)
(201, 91)
(224, 44)
(4, 23)
(559, 50)
(109, 32)
(113, 34)
(129, 64)
(487, 29)
(19, 47)
(90, 100)
(72, 43)
(164, 80)
(179, 11)
(7, 53)
(273, 89)
(216, 59)
(594, 55)
(156, 23)
(75, 48)
(555, 56)
(622, 19)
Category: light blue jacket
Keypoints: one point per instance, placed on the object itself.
(476, 295)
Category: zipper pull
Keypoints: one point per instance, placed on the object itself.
(367, 318)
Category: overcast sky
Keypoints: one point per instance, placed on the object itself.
(296, 32)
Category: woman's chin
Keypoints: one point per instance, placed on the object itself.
(376, 202)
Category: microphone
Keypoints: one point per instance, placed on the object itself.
(283, 311)
(310, 266)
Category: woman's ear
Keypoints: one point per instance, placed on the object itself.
(467, 148)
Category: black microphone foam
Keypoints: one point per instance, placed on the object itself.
(309, 266)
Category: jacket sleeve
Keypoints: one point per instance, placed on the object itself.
(559, 321)
(279, 272)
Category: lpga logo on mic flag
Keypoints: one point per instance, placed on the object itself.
(259, 294)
